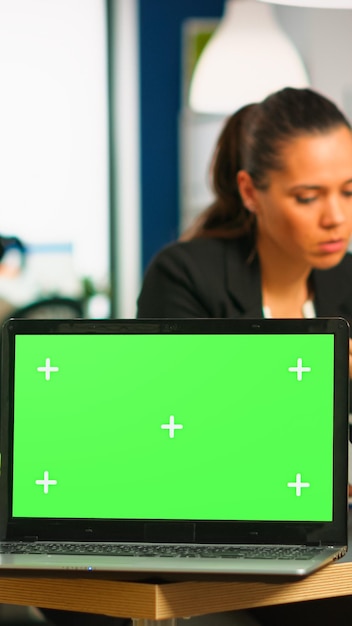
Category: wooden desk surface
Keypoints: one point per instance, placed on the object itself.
(160, 601)
(109, 594)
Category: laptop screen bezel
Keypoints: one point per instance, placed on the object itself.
(188, 531)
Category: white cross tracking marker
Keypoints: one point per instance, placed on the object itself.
(47, 369)
(171, 427)
(299, 369)
(46, 482)
(298, 484)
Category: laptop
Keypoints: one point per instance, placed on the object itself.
(196, 446)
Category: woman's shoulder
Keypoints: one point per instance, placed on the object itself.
(346, 263)
(191, 279)
(333, 287)
(343, 270)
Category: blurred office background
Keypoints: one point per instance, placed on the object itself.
(103, 161)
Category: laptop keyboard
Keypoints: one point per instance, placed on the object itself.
(144, 550)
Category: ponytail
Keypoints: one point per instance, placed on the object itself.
(226, 217)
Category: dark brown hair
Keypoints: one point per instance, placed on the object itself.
(251, 140)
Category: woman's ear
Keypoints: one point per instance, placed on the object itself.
(247, 190)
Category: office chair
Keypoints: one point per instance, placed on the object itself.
(55, 307)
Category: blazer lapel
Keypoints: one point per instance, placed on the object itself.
(332, 288)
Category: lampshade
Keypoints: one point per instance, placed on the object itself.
(315, 4)
(247, 57)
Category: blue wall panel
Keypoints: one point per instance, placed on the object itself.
(160, 88)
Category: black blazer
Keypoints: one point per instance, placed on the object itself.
(213, 278)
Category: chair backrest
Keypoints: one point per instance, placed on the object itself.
(57, 307)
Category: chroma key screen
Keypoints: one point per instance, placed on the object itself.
(201, 427)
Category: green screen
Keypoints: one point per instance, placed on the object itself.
(252, 437)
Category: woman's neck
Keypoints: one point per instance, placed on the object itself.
(289, 304)
(285, 286)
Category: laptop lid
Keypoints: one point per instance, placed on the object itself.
(199, 431)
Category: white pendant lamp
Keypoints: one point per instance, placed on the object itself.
(315, 4)
(247, 57)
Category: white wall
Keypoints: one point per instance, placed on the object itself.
(54, 185)
(323, 37)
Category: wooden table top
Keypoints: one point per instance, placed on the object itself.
(163, 600)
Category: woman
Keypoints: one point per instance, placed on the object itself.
(275, 240)
(274, 243)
